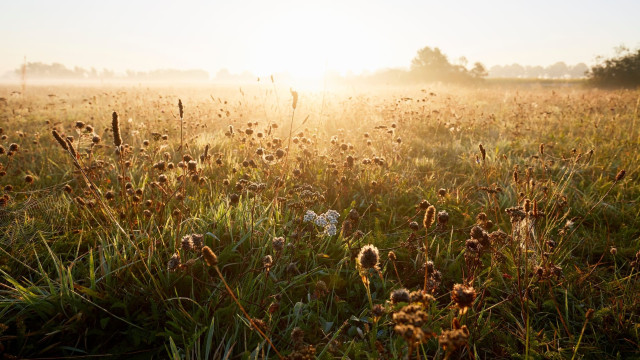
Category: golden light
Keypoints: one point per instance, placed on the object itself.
(306, 46)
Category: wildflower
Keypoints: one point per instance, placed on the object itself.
(267, 261)
(463, 296)
(321, 289)
(400, 295)
(443, 217)
(309, 216)
(297, 336)
(330, 229)
(117, 140)
(429, 217)
(321, 221)
(421, 297)
(174, 262)
(450, 340)
(409, 321)
(477, 232)
(368, 257)
(209, 256)
(392, 256)
(278, 243)
(332, 216)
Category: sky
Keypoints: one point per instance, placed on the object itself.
(308, 38)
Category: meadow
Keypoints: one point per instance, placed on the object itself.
(259, 222)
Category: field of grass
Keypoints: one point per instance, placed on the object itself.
(504, 223)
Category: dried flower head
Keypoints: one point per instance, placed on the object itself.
(429, 217)
(392, 256)
(60, 140)
(209, 256)
(443, 217)
(297, 336)
(368, 257)
(453, 339)
(115, 126)
(421, 297)
(174, 262)
(294, 103)
(278, 243)
(463, 296)
(400, 295)
(267, 261)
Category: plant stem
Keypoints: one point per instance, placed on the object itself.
(245, 312)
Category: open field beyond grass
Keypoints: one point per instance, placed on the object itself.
(504, 223)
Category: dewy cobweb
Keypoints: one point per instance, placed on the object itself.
(29, 213)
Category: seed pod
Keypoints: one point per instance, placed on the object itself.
(72, 149)
(294, 104)
(209, 256)
(115, 126)
(429, 217)
(60, 140)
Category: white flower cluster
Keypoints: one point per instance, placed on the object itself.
(328, 220)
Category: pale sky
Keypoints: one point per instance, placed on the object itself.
(307, 37)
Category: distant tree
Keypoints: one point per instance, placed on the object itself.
(430, 62)
(463, 61)
(496, 71)
(622, 70)
(432, 65)
(534, 72)
(479, 71)
(107, 74)
(557, 70)
(515, 71)
(578, 71)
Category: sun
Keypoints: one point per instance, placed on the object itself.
(305, 47)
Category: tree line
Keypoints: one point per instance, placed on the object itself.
(39, 70)
(428, 65)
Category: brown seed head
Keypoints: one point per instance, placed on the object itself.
(294, 104)
(392, 256)
(209, 256)
(429, 217)
(463, 295)
(400, 295)
(115, 126)
(368, 257)
(59, 139)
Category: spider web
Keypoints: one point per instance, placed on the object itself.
(39, 211)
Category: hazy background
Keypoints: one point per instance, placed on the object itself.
(308, 39)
